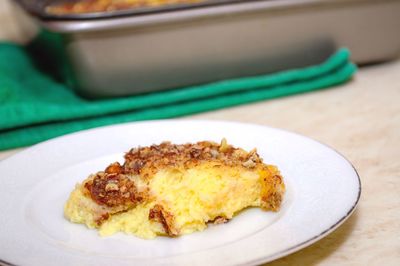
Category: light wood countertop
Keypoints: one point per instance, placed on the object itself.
(360, 119)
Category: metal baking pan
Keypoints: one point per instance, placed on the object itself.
(116, 54)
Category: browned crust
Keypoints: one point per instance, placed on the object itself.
(116, 191)
(159, 214)
(112, 190)
(102, 218)
(115, 188)
(114, 168)
(272, 190)
(220, 220)
(88, 6)
(146, 161)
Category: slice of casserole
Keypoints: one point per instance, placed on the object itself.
(171, 190)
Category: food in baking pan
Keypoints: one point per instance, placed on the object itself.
(91, 6)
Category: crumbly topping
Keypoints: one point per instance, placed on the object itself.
(113, 188)
(102, 218)
(272, 189)
(159, 214)
(146, 161)
(89, 6)
(114, 168)
(220, 220)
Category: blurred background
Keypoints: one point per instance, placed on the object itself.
(16, 26)
(172, 44)
(76, 64)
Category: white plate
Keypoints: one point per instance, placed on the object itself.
(322, 191)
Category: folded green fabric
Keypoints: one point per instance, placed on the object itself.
(34, 107)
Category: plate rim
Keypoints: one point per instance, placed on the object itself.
(318, 237)
(269, 258)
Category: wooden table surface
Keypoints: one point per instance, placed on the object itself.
(361, 120)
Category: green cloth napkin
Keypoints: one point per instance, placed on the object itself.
(35, 107)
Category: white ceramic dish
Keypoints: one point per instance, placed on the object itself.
(322, 191)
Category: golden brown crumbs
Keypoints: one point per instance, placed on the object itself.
(113, 190)
(158, 214)
(146, 161)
